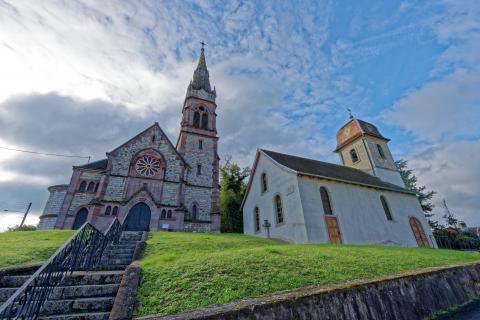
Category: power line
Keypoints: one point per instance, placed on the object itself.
(47, 154)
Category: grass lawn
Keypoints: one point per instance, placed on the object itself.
(184, 271)
(21, 247)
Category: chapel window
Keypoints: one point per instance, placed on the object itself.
(199, 169)
(205, 121)
(169, 214)
(279, 209)
(115, 211)
(264, 182)
(327, 206)
(196, 119)
(380, 151)
(83, 186)
(96, 187)
(90, 187)
(257, 219)
(200, 144)
(108, 210)
(388, 213)
(164, 214)
(353, 155)
(154, 138)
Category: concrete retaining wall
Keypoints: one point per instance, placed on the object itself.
(416, 295)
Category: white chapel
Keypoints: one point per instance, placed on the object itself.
(362, 201)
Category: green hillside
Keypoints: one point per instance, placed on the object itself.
(22, 247)
(182, 271)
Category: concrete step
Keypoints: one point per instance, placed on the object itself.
(78, 316)
(5, 293)
(69, 306)
(84, 291)
(114, 262)
(112, 267)
(13, 281)
(119, 251)
(117, 256)
(79, 278)
(126, 246)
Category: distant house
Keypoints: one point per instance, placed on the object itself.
(363, 201)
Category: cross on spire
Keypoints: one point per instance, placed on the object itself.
(350, 113)
(203, 44)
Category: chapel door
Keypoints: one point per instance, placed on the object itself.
(418, 232)
(138, 218)
(80, 219)
(333, 229)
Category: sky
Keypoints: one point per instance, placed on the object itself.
(82, 77)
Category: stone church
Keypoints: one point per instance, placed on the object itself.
(148, 182)
(362, 201)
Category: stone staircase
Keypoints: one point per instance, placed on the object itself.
(86, 295)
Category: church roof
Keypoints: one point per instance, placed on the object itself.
(97, 165)
(330, 171)
(200, 85)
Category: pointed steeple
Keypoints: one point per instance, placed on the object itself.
(201, 80)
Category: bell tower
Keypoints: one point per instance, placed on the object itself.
(197, 143)
(361, 145)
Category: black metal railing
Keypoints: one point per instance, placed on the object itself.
(83, 251)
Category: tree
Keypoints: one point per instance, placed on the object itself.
(232, 190)
(424, 196)
(449, 217)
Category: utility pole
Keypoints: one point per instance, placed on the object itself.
(25, 215)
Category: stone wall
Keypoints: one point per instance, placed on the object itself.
(52, 209)
(410, 296)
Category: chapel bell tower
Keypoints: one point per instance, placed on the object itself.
(361, 146)
(198, 141)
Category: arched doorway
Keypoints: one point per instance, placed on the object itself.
(80, 219)
(138, 218)
(418, 232)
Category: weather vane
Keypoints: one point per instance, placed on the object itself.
(350, 113)
(203, 44)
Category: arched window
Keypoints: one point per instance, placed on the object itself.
(169, 214)
(257, 219)
(108, 210)
(279, 209)
(327, 206)
(194, 212)
(205, 121)
(96, 187)
(200, 144)
(91, 186)
(153, 138)
(380, 151)
(83, 186)
(164, 214)
(353, 155)
(264, 182)
(199, 169)
(196, 120)
(115, 211)
(386, 208)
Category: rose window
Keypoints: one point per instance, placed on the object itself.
(147, 166)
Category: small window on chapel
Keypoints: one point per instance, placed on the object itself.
(264, 182)
(380, 151)
(115, 211)
(108, 211)
(200, 144)
(91, 187)
(199, 169)
(169, 214)
(83, 186)
(196, 120)
(279, 209)
(327, 206)
(388, 213)
(164, 214)
(353, 155)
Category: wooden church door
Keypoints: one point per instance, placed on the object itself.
(80, 219)
(333, 229)
(138, 218)
(418, 232)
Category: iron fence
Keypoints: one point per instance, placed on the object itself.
(83, 251)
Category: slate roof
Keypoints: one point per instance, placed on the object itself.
(332, 171)
(99, 165)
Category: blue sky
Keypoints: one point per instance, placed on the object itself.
(82, 77)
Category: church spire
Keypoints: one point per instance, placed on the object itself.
(201, 80)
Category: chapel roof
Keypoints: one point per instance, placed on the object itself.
(355, 128)
(310, 167)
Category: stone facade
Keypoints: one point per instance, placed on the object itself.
(178, 184)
